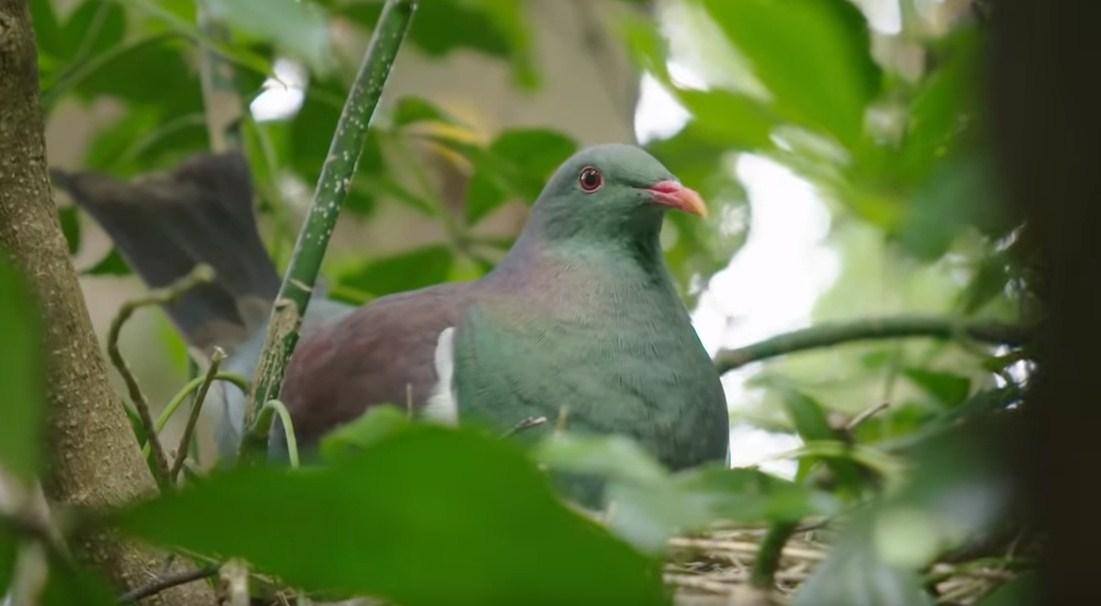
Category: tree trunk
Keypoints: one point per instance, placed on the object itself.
(95, 458)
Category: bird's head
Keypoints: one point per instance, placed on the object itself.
(610, 192)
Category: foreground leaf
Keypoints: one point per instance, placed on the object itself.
(427, 516)
(22, 403)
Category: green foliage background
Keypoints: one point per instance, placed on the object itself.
(887, 127)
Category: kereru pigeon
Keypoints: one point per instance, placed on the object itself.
(580, 315)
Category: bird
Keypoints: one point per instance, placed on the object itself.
(580, 318)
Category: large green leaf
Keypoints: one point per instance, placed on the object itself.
(812, 55)
(300, 28)
(647, 505)
(67, 586)
(9, 549)
(515, 166)
(427, 516)
(22, 375)
(493, 27)
(406, 271)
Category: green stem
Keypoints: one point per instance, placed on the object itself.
(827, 335)
(200, 397)
(188, 389)
(768, 556)
(277, 407)
(201, 274)
(313, 238)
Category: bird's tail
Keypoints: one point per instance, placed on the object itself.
(165, 224)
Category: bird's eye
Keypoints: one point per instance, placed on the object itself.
(590, 179)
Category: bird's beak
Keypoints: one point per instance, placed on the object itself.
(674, 195)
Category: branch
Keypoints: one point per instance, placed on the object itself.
(167, 582)
(189, 429)
(829, 334)
(202, 274)
(313, 238)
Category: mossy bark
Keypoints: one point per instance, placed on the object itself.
(95, 460)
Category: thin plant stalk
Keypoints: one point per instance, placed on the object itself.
(313, 239)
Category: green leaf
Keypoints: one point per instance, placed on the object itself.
(531, 155)
(9, 549)
(813, 56)
(949, 389)
(407, 271)
(730, 119)
(808, 417)
(70, 227)
(22, 375)
(648, 505)
(1021, 591)
(377, 424)
(67, 585)
(298, 27)
(648, 514)
(854, 575)
(411, 110)
(93, 28)
(111, 265)
(493, 27)
(470, 512)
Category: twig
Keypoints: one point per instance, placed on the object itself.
(313, 238)
(201, 274)
(188, 389)
(200, 396)
(527, 423)
(167, 582)
(768, 556)
(826, 335)
(866, 414)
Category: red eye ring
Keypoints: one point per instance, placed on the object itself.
(590, 179)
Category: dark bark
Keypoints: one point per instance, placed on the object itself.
(1046, 111)
(95, 458)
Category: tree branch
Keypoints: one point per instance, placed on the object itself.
(829, 334)
(189, 429)
(313, 238)
(201, 274)
(167, 582)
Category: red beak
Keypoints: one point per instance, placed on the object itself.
(675, 195)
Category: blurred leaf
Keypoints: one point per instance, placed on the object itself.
(516, 165)
(648, 505)
(406, 271)
(949, 389)
(814, 58)
(22, 374)
(93, 28)
(613, 457)
(989, 282)
(958, 193)
(648, 514)
(111, 265)
(470, 509)
(730, 119)
(9, 549)
(378, 423)
(854, 575)
(47, 28)
(809, 419)
(493, 27)
(66, 586)
(410, 110)
(70, 227)
(299, 27)
(1021, 591)
(167, 82)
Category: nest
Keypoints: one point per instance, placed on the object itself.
(714, 569)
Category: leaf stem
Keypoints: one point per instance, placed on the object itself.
(313, 238)
(200, 396)
(768, 556)
(829, 334)
(201, 274)
(277, 407)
